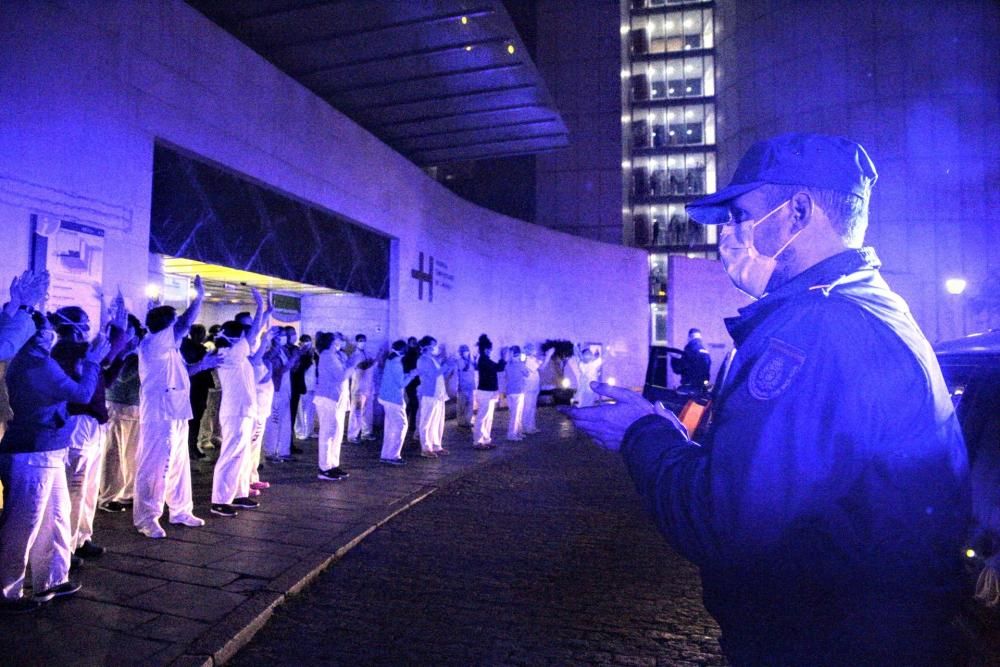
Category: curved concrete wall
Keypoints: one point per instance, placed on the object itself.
(87, 87)
(918, 84)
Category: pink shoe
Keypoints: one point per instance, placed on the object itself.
(257, 486)
(254, 492)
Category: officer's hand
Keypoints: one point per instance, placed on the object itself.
(606, 424)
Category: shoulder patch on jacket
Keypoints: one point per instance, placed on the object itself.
(774, 370)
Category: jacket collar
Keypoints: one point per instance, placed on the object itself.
(824, 275)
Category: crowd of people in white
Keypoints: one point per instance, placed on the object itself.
(111, 422)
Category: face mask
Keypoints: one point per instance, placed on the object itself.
(361, 345)
(338, 345)
(748, 269)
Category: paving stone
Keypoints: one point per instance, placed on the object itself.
(166, 571)
(79, 610)
(254, 564)
(195, 602)
(174, 551)
(171, 628)
(112, 586)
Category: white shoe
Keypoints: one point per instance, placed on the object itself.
(189, 520)
(152, 530)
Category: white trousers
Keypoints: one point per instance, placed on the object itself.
(530, 410)
(332, 423)
(84, 463)
(119, 460)
(305, 421)
(256, 449)
(483, 427)
(278, 434)
(360, 425)
(34, 527)
(431, 425)
(515, 427)
(463, 408)
(163, 471)
(231, 478)
(393, 430)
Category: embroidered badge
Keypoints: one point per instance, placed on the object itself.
(773, 372)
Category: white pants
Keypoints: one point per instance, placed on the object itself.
(332, 420)
(431, 425)
(360, 425)
(463, 409)
(584, 396)
(530, 409)
(483, 427)
(515, 427)
(34, 527)
(163, 471)
(256, 449)
(231, 478)
(278, 434)
(83, 475)
(394, 429)
(305, 421)
(119, 461)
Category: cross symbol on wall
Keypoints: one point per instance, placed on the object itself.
(424, 277)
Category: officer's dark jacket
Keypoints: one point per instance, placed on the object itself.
(828, 505)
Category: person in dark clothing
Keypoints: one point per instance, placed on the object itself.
(828, 502)
(35, 526)
(486, 393)
(695, 365)
(302, 358)
(193, 350)
(88, 437)
(412, 400)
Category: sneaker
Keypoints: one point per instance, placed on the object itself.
(253, 493)
(245, 503)
(532, 432)
(393, 462)
(428, 455)
(443, 452)
(152, 531)
(482, 446)
(288, 458)
(112, 506)
(189, 520)
(223, 510)
(89, 550)
(274, 459)
(333, 474)
(68, 587)
(259, 485)
(19, 606)
(368, 437)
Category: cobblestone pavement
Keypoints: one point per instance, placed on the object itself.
(542, 558)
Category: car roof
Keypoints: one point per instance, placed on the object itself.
(979, 344)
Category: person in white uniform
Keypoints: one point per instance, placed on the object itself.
(433, 394)
(517, 377)
(392, 398)
(362, 390)
(332, 401)
(532, 385)
(163, 468)
(265, 397)
(117, 487)
(587, 369)
(35, 526)
(465, 394)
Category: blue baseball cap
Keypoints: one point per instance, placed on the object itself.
(812, 160)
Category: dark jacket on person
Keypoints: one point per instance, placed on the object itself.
(39, 390)
(488, 370)
(69, 354)
(694, 366)
(828, 505)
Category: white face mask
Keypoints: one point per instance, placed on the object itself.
(338, 345)
(46, 339)
(360, 345)
(747, 268)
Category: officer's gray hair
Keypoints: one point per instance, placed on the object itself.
(848, 213)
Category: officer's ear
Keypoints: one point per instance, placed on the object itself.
(803, 209)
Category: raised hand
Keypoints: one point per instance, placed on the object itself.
(199, 288)
(98, 349)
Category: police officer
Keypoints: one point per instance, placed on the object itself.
(827, 504)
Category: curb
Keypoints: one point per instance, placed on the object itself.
(225, 638)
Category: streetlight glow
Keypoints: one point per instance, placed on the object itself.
(955, 285)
